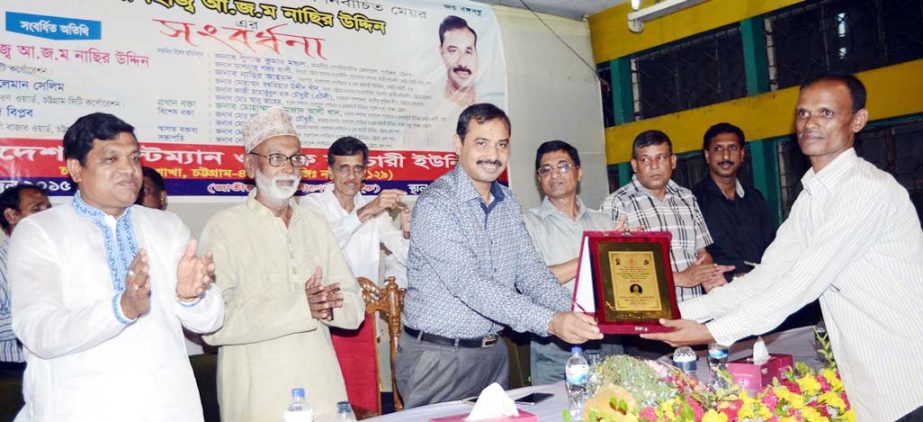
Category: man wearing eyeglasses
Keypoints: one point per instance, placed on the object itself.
(361, 226)
(556, 228)
(656, 203)
(284, 282)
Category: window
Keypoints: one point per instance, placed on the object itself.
(604, 72)
(705, 69)
(841, 36)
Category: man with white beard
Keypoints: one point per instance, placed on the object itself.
(284, 281)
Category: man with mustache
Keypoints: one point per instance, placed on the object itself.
(556, 228)
(459, 53)
(102, 289)
(853, 240)
(473, 270)
(361, 226)
(656, 203)
(737, 216)
(284, 281)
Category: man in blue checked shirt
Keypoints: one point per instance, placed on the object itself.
(473, 270)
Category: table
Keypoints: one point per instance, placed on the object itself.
(548, 410)
(798, 342)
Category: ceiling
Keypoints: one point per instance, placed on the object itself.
(574, 9)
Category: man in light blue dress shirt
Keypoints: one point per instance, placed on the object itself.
(472, 271)
(556, 228)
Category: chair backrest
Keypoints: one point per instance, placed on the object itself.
(357, 353)
(386, 300)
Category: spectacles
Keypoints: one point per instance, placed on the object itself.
(563, 168)
(648, 160)
(346, 169)
(279, 160)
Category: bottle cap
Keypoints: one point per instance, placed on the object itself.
(298, 393)
(576, 350)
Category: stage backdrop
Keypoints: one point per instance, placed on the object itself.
(188, 73)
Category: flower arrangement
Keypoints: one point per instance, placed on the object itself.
(627, 393)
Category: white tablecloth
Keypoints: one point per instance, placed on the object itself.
(798, 342)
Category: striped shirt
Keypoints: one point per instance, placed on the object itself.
(853, 239)
(677, 213)
(10, 349)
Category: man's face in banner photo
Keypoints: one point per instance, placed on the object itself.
(347, 173)
(460, 56)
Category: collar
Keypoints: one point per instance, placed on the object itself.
(259, 209)
(358, 201)
(548, 209)
(711, 186)
(831, 175)
(672, 189)
(120, 247)
(465, 187)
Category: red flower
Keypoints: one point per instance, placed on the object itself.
(792, 386)
(647, 414)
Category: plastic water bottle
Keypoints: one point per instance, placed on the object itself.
(577, 374)
(345, 412)
(298, 409)
(717, 361)
(685, 359)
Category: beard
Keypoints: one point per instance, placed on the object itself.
(270, 186)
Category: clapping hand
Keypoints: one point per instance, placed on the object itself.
(136, 298)
(322, 300)
(194, 274)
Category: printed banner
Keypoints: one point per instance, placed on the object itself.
(188, 73)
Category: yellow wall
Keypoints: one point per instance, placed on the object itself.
(892, 91)
(611, 38)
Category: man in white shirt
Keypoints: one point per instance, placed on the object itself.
(16, 203)
(853, 240)
(101, 290)
(361, 226)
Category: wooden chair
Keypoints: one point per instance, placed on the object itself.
(386, 300)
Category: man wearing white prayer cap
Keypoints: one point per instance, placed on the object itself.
(284, 282)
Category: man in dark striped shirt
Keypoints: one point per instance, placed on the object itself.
(656, 203)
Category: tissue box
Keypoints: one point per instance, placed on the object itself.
(523, 417)
(754, 377)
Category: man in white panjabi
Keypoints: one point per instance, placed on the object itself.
(101, 290)
(284, 282)
(362, 227)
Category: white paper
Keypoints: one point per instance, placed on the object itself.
(760, 352)
(493, 403)
(584, 297)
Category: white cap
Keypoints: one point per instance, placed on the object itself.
(267, 124)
